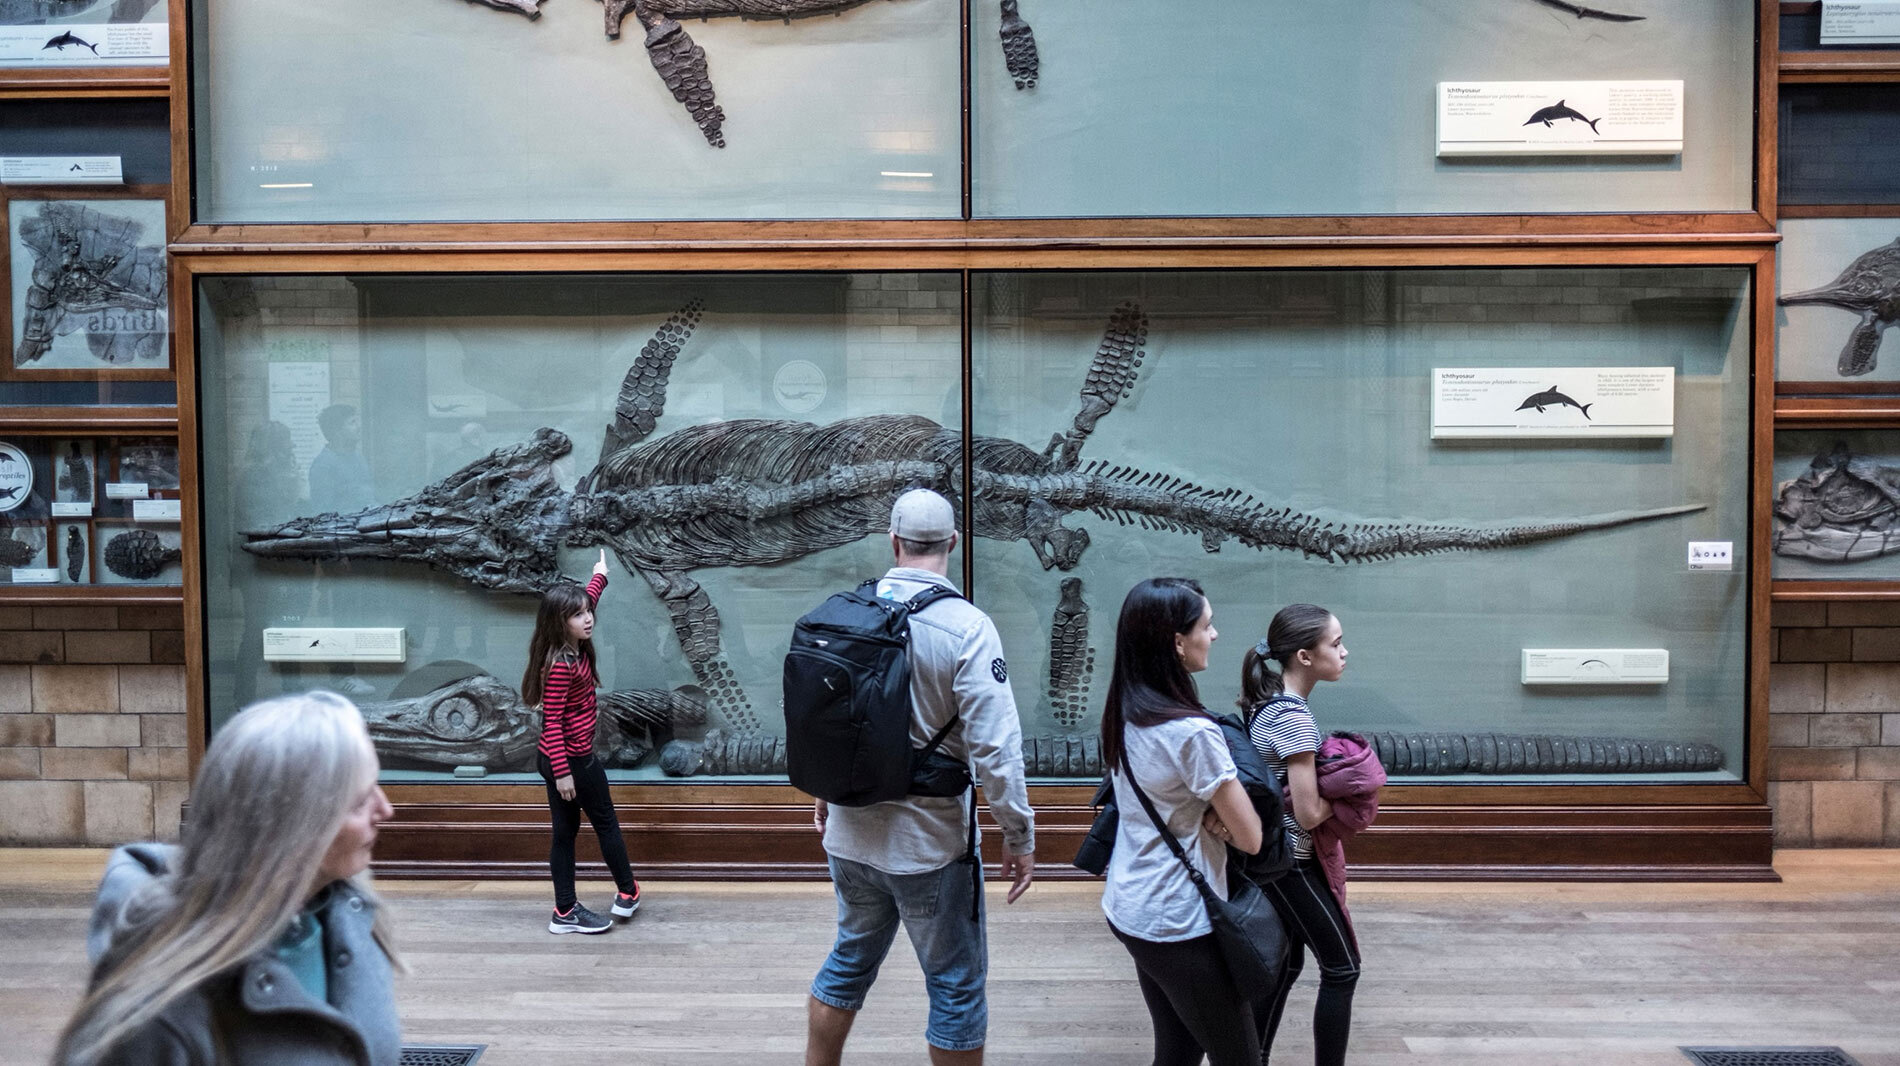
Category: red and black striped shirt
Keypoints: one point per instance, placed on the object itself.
(567, 701)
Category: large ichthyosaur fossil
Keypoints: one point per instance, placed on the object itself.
(1842, 509)
(1869, 287)
(759, 492)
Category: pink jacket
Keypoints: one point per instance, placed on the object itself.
(1350, 776)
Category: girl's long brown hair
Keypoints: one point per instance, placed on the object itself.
(558, 604)
(1149, 685)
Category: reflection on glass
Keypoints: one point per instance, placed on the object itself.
(1259, 393)
(1840, 144)
(428, 454)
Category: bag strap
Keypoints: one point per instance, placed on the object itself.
(1194, 873)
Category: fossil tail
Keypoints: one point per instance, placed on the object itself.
(1428, 754)
(1862, 349)
(1130, 496)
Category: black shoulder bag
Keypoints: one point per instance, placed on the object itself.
(1246, 926)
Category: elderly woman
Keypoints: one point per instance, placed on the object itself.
(252, 941)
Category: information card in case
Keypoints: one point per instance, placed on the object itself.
(1559, 118)
(90, 44)
(77, 509)
(1554, 401)
(34, 575)
(1595, 666)
(1860, 22)
(61, 170)
(127, 490)
(368, 645)
(155, 510)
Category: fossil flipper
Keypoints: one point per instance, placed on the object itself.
(1862, 350)
(642, 396)
(1111, 376)
(1441, 754)
(696, 624)
(1019, 47)
(682, 66)
(1071, 660)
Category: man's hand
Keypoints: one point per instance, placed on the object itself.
(820, 810)
(1021, 869)
(601, 567)
(565, 786)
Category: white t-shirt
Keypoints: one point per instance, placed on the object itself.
(1180, 764)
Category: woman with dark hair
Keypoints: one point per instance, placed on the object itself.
(1309, 645)
(560, 677)
(1159, 740)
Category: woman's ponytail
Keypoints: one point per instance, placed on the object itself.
(1259, 680)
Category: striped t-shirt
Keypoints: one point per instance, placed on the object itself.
(1281, 728)
(567, 702)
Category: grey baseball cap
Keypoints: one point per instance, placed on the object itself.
(923, 516)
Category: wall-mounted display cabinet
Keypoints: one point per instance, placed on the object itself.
(1457, 319)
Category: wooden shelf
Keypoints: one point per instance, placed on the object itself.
(80, 421)
(81, 82)
(88, 595)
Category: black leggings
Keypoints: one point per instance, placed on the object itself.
(591, 796)
(1192, 999)
(1312, 920)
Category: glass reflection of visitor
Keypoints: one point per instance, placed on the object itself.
(340, 482)
(269, 492)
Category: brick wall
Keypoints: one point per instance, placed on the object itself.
(1834, 725)
(92, 724)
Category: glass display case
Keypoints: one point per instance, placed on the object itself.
(424, 454)
(84, 512)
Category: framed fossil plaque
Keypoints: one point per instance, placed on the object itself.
(86, 276)
(1838, 305)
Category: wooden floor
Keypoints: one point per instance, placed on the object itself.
(1462, 973)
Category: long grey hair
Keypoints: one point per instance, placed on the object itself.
(275, 786)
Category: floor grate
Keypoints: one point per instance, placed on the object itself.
(441, 1054)
(1770, 1056)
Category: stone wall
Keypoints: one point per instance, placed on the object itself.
(92, 724)
(1834, 725)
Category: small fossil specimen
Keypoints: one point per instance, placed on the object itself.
(15, 552)
(75, 475)
(1019, 47)
(92, 271)
(1071, 660)
(139, 555)
(1869, 287)
(1842, 509)
(75, 553)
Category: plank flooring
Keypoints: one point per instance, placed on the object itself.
(1454, 973)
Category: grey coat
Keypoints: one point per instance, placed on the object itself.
(259, 1015)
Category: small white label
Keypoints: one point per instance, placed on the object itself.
(1711, 555)
(127, 490)
(1559, 118)
(91, 44)
(155, 510)
(82, 509)
(34, 576)
(61, 170)
(366, 645)
(1595, 666)
(1554, 401)
(1860, 21)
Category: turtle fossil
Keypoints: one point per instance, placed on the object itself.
(139, 554)
(759, 492)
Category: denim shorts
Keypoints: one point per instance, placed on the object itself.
(935, 910)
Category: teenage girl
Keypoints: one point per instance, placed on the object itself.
(1307, 643)
(561, 678)
(1156, 736)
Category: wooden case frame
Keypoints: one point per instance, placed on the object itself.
(1570, 831)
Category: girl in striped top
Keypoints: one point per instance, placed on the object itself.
(560, 677)
(1309, 646)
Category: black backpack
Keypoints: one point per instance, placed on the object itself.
(847, 704)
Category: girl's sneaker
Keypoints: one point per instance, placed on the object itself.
(625, 905)
(578, 920)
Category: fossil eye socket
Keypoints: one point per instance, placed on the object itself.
(456, 718)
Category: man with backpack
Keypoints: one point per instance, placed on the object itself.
(912, 858)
